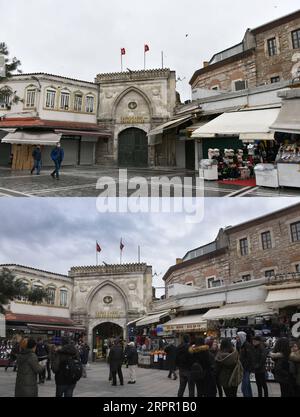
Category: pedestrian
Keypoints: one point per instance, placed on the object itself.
(214, 349)
(184, 363)
(28, 367)
(295, 366)
(42, 353)
(132, 359)
(229, 368)
(281, 355)
(202, 370)
(170, 350)
(246, 351)
(15, 350)
(67, 368)
(37, 160)
(260, 358)
(84, 351)
(57, 156)
(115, 360)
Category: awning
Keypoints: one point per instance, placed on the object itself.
(81, 133)
(196, 126)
(247, 124)
(288, 120)
(284, 297)
(35, 319)
(54, 328)
(186, 323)
(26, 138)
(194, 304)
(152, 319)
(231, 311)
(169, 125)
(133, 321)
(5, 132)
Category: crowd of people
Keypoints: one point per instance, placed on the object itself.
(218, 368)
(208, 367)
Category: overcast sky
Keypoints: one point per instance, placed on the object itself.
(82, 38)
(56, 234)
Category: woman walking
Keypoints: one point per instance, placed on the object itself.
(229, 368)
(28, 368)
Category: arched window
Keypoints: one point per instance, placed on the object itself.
(5, 97)
(27, 285)
(78, 99)
(50, 98)
(89, 103)
(51, 292)
(30, 96)
(64, 100)
(38, 286)
(63, 297)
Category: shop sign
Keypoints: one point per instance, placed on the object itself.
(186, 327)
(296, 327)
(108, 315)
(132, 120)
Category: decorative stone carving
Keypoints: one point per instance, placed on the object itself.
(132, 286)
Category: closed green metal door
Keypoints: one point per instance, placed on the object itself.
(133, 148)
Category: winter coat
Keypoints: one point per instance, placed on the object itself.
(28, 368)
(295, 362)
(281, 369)
(57, 154)
(171, 356)
(37, 154)
(42, 351)
(259, 357)
(61, 356)
(247, 356)
(183, 357)
(201, 355)
(116, 357)
(225, 365)
(131, 355)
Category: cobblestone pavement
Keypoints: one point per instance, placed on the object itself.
(150, 383)
(81, 182)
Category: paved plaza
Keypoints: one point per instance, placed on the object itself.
(150, 383)
(81, 182)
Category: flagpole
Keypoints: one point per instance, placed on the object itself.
(121, 61)
(162, 59)
(96, 254)
(139, 254)
(144, 59)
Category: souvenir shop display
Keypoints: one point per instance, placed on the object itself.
(266, 175)
(208, 168)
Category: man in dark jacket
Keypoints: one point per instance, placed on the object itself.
(115, 360)
(183, 362)
(37, 160)
(57, 156)
(84, 350)
(260, 357)
(66, 358)
(42, 352)
(132, 359)
(246, 352)
(170, 350)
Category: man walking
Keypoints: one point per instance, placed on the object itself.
(42, 353)
(247, 360)
(115, 360)
(37, 160)
(132, 361)
(84, 350)
(170, 350)
(260, 357)
(57, 156)
(183, 362)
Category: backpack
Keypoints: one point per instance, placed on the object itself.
(72, 370)
(197, 372)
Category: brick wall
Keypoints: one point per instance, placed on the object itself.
(282, 63)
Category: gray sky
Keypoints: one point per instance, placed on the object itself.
(82, 38)
(55, 234)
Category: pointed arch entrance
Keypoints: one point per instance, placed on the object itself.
(102, 335)
(133, 148)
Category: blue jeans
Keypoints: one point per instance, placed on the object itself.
(57, 168)
(64, 390)
(37, 165)
(246, 385)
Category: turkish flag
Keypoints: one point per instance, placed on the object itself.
(147, 48)
(98, 248)
(123, 51)
(121, 245)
